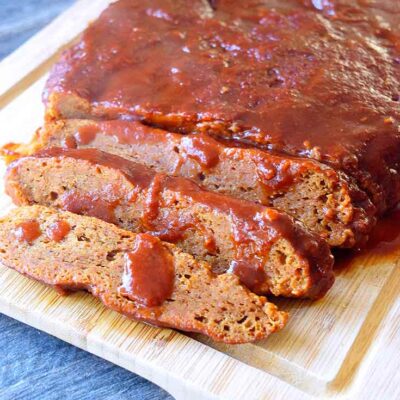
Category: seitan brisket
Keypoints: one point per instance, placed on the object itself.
(134, 274)
(270, 251)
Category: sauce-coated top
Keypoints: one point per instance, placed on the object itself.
(149, 272)
(311, 78)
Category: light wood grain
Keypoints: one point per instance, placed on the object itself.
(343, 346)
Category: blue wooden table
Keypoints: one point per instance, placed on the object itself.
(34, 365)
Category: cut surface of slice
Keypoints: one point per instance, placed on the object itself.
(270, 251)
(323, 199)
(108, 262)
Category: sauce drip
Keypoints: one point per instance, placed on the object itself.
(27, 231)
(86, 134)
(58, 230)
(274, 175)
(153, 200)
(202, 149)
(149, 272)
(384, 242)
(172, 229)
(91, 204)
(210, 244)
(250, 274)
(69, 142)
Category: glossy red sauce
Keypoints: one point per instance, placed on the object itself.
(91, 204)
(384, 242)
(170, 226)
(274, 174)
(385, 238)
(153, 199)
(58, 230)
(202, 149)
(174, 228)
(149, 272)
(69, 142)
(86, 134)
(254, 228)
(250, 274)
(315, 79)
(210, 243)
(27, 231)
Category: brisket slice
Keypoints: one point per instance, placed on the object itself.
(268, 250)
(89, 254)
(323, 199)
(312, 80)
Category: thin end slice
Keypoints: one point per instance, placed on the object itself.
(91, 256)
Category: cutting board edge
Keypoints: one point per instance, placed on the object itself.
(21, 83)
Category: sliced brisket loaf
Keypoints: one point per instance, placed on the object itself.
(323, 199)
(289, 76)
(268, 249)
(134, 274)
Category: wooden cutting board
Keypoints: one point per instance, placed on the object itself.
(343, 346)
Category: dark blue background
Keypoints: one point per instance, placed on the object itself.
(34, 365)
